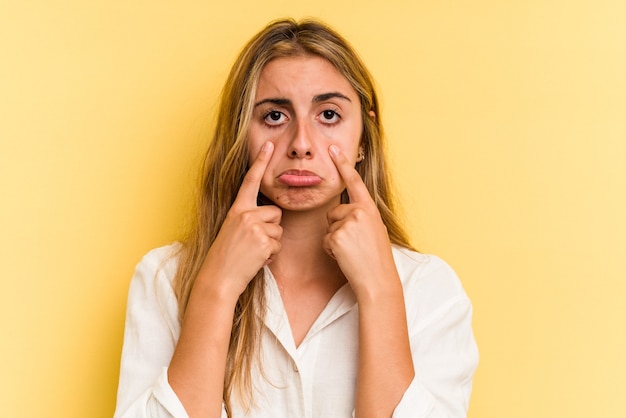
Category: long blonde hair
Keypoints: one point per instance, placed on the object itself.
(226, 163)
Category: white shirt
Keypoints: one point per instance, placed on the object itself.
(316, 379)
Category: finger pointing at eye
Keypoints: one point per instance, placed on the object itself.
(354, 184)
(251, 184)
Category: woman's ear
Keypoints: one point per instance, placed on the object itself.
(361, 156)
(372, 114)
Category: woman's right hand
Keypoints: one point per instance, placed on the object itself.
(249, 236)
(247, 239)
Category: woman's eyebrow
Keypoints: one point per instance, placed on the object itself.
(279, 101)
(326, 96)
(275, 101)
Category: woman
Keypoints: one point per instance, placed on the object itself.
(296, 294)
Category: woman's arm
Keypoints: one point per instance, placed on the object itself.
(196, 371)
(246, 241)
(358, 240)
(417, 353)
(385, 363)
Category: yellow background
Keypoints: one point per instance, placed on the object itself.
(507, 129)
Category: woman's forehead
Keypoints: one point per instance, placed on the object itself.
(306, 75)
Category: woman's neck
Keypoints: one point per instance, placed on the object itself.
(302, 256)
(307, 277)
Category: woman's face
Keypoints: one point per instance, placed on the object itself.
(303, 105)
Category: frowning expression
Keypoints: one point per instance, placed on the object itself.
(303, 105)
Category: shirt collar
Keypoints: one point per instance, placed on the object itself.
(342, 302)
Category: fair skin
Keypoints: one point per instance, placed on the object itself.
(304, 144)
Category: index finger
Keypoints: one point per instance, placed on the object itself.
(249, 189)
(357, 191)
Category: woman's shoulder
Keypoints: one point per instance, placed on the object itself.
(432, 289)
(427, 275)
(161, 261)
(410, 261)
(152, 307)
(163, 253)
(151, 294)
(154, 275)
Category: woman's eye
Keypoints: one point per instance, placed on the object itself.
(329, 116)
(274, 117)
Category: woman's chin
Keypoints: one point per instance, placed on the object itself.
(302, 199)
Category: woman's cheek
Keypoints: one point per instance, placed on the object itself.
(253, 152)
(267, 184)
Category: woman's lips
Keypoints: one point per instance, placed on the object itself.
(299, 178)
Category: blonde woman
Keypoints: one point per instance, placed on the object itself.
(296, 293)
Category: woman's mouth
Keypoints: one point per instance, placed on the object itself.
(299, 178)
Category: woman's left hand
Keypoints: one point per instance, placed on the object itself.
(357, 237)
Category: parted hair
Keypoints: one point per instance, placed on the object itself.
(226, 163)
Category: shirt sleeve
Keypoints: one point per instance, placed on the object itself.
(150, 336)
(444, 351)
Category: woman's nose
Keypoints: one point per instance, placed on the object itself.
(301, 145)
